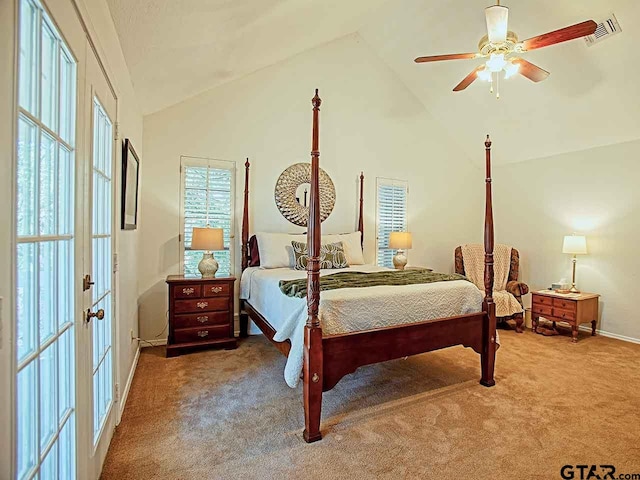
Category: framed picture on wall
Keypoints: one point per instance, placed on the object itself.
(130, 172)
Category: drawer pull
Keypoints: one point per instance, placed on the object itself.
(202, 304)
(188, 291)
(203, 333)
(216, 289)
(203, 319)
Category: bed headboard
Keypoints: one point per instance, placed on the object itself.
(249, 250)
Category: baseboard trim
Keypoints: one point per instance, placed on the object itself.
(127, 387)
(624, 338)
(158, 342)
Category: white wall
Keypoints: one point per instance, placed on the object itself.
(592, 192)
(369, 121)
(99, 24)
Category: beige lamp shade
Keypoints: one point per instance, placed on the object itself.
(575, 244)
(207, 239)
(400, 240)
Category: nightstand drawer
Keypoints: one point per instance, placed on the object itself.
(564, 304)
(541, 309)
(564, 314)
(216, 289)
(187, 291)
(542, 300)
(204, 319)
(200, 334)
(202, 305)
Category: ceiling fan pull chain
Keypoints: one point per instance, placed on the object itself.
(497, 86)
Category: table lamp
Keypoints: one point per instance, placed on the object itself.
(207, 239)
(574, 245)
(400, 241)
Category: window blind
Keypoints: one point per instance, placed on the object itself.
(391, 215)
(207, 200)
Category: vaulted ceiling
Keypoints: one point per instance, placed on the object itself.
(590, 99)
(176, 49)
(179, 48)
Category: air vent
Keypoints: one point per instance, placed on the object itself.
(606, 28)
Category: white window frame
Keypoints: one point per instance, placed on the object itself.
(211, 163)
(382, 181)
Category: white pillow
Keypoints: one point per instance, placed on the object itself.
(351, 244)
(275, 249)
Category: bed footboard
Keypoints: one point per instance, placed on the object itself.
(343, 354)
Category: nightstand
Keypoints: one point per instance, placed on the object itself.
(571, 308)
(415, 267)
(200, 313)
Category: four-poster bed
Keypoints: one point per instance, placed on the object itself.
(329, 357)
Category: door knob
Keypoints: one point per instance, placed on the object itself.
(99, 314)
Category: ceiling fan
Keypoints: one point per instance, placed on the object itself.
(501, 47)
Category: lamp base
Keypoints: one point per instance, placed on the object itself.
(399, 260)
(573, 276)
(208, 266)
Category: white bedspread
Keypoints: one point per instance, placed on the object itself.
(350, 309)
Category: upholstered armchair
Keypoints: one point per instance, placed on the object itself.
(514, 287)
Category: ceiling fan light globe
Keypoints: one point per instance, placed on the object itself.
(497, 18)
(484, 75)
(496, 62)
(511, 69)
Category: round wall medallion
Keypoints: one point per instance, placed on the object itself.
(293, 190)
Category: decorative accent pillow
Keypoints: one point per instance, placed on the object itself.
(275, 249)
(254, 253)
(352, 246)
(331, 255)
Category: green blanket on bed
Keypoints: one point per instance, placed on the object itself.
(298, 288)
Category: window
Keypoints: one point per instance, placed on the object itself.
(45, 234)
(208, 192)
(391, 215)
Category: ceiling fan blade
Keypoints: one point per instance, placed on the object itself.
(497, 18)
(453, 56)
(558, 36)
(469, 79)
(531, 71)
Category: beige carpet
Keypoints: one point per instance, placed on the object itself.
(229, 414)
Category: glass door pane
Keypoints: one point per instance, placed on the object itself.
(45, 235)
(101, 244)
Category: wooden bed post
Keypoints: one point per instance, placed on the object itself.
(244, 318)
(360, 214)
(488, 356)
(312, 370)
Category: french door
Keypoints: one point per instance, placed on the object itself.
(97, 409)
(46, 242)
(64, 329)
